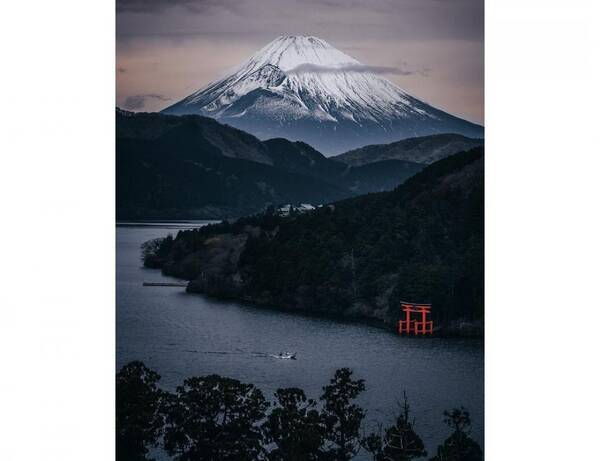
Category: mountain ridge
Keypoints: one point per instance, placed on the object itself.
(425, 150)
(195, 167)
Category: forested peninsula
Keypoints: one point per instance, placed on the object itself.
(356, 258)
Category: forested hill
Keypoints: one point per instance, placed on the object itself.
(194, 167)
(360, 257)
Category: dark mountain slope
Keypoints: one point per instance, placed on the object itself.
(423, 150)
(360, 257)
(184, 167)
(379, 176)
(194, 167)
(228, 141)
(299, 157)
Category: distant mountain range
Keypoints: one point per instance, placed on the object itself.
(194, 167)
(303, 89)
(426, 150)
(185, 167)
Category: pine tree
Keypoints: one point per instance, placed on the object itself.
(294, 426)
(459, 446)
(342, 418)
(400, 441)
(138, 417)
(215, 418)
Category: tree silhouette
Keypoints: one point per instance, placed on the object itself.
(155, 251)
(215, 418)
(459, 446)
(400, 441)
(294, 426)
(138, 418)
(341, 417)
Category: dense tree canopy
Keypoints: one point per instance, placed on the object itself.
(295, 427)
(360, 257)
(213, 418)
(341, 416)
(139, 419)
(399, 442)
(459, 446)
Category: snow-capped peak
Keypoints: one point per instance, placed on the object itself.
(316, 80)
(297, 81)
(290, 51)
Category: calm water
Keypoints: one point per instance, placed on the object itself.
(181, 335)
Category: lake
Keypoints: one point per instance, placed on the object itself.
(181, 335)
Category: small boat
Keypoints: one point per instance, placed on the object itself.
(285, 355)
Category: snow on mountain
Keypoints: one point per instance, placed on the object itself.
(302, 88)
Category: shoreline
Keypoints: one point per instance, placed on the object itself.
(458, 329)
(477, 332)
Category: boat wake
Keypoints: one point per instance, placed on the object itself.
(281, 355)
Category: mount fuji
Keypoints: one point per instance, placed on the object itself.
(303, 89)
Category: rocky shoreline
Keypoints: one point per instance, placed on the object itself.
(457, 329)
(219, 277)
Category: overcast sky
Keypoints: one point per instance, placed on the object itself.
(166, 49)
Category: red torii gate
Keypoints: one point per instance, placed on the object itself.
(408, 325)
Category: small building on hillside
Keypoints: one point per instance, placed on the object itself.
(288, 209)
(285, 210)
(304, 207)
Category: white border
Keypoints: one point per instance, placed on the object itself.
(57, 193)
(542, 229)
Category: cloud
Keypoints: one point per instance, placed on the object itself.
(361, 68)
(405, 69)
(153, 6)
(138, 101)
